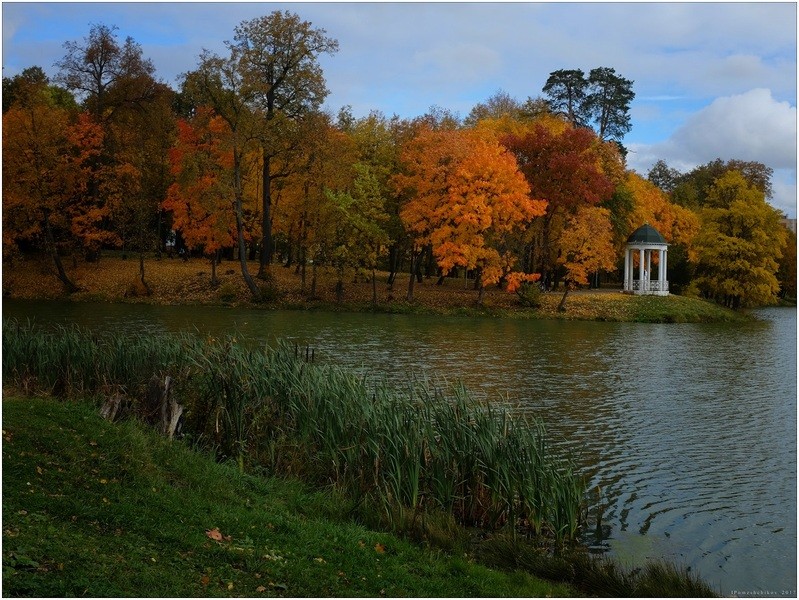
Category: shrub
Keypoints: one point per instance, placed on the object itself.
(529, 295)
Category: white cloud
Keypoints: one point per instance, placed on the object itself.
(752, 126)
(749, 126)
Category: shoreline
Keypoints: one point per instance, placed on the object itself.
(174, 281)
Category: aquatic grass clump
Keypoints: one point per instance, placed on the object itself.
(595, 575)
(411, 451)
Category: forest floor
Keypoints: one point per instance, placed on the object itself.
(175, 281)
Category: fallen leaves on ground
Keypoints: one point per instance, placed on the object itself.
(216, 535)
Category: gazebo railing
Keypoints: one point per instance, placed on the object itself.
(654, 286)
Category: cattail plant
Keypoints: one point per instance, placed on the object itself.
(413, 450)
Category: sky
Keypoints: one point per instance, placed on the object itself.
(712, 80)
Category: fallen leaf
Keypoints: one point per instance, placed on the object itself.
(319, 559)
(214, 534)
(230, 585)
(279, 586)
(380, 548)
(205, 580)
(260, 588)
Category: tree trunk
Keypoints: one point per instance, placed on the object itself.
(214, 280)
(302, 270)
(141, 274)
(62, 274)
(266, 238)
(562, 305)
(374, 286)
(313, 280)
(392, 265)
(256, 293)
(412, 273)
(478, 285)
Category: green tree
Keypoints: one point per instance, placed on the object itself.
(378, 142)
(608, 103)
(359, 232)
(566, 91)
(663, 176)
(739, 245)
(692, 188)
(33, 79)
(282, 77)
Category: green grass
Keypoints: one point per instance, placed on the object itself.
(682, 309)
(98, 509)
(412, 451)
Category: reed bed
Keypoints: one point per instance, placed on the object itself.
(271, 409)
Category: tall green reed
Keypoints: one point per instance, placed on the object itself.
(414, 450)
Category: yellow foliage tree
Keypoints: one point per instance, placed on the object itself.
(739, 245)
(585, 246)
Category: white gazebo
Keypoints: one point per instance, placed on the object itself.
(645, 241)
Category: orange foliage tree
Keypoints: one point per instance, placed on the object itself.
(201, 199)
(466, 198)
(47, 159)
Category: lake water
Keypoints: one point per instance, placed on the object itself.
(688, 431)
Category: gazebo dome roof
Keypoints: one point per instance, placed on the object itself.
(646, 234)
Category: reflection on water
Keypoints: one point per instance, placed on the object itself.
(687, 431)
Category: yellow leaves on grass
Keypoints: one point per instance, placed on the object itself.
(217, 535)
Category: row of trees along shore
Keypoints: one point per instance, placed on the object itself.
(241, 161)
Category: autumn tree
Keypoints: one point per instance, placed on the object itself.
(678, 224)
(586, 246)
(218, 83)
(467, 196)
(46, 159)
(139, 175)
(201, 198)
(501, 104)
(739, 245)
(283, 80)
(109, 78)
(308, 212)
(563, 165)
(104, 73)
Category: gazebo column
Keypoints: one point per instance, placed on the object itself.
(646, 240)
(641, 266)
(628, 270)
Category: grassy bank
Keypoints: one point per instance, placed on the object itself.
(94, 509)
(97, 509)
(173, 281)
(407, 452)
